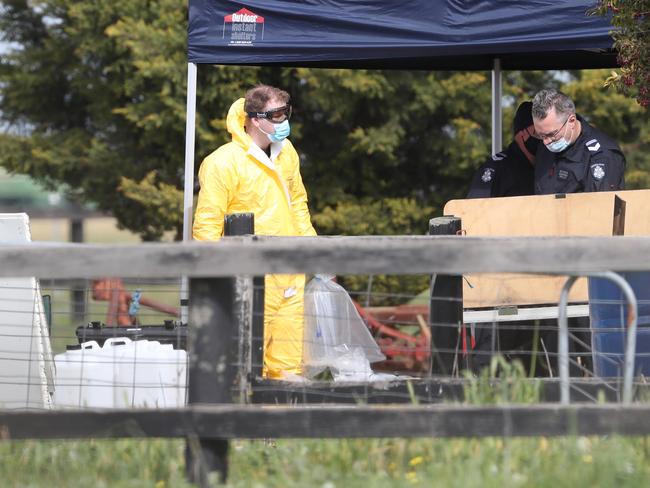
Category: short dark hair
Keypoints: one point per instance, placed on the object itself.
(257, 97)
(544, 100)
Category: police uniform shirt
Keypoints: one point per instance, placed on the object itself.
(594, 162)
(506, 174)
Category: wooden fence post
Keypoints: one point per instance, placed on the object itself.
(212, 369)
(445, 306)
(257, 347)
(244, 224)
(78, 295)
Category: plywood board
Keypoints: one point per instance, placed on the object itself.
(578, 214)
(637, 212)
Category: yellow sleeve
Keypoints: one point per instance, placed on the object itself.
(299, 199)
(212, 206)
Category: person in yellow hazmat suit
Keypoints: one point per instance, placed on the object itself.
(259, 172)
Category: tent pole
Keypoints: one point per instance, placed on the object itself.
(497, 119)
(188, 191)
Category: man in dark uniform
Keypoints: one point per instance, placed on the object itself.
(575, 156)
(511, 172)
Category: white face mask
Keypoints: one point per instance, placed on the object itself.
(561, 144)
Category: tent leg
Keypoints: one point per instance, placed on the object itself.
(188, 191)
(497, 118)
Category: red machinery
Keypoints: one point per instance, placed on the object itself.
(403, 351)
(112, 290)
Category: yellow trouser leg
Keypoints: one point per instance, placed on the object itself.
(283, 325)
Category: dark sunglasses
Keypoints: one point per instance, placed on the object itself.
(275, 116)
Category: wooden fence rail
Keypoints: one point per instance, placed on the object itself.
(256, 422)
(364, 255)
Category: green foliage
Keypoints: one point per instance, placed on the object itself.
(389, 134)
(161, 202)
(502, 382)
(95, 99)
(390, 216)
(631, 22)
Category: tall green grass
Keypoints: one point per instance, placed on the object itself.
(98, 464)
(501, 382)
(492, 462)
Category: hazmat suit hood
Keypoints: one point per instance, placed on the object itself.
(236, 123)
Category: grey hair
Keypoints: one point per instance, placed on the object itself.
(544, 100)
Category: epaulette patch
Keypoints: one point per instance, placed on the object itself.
(593, 145)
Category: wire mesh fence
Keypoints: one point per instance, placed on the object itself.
(422, 353)
(242, 346)
(119, 343)
(57, 350)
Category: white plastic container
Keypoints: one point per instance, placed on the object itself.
(151, 375)
(122, 373)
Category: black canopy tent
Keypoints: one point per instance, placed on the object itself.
(400, 34)
(405, 34)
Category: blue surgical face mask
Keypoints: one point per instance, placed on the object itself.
(282, 131)
(559, 145)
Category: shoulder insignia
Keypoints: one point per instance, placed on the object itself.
(487, 175)
(598, 171)
(593, 145)
(498, 156)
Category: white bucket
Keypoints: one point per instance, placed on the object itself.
(122, 373)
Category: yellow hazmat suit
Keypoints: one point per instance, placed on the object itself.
(240, 177)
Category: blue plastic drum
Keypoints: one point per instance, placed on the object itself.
(608, 317)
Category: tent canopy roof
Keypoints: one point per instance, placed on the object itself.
(404, 34)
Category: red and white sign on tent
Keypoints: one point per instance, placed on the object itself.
(243, 27)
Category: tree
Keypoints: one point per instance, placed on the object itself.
(94, 95)
(94, 98)
(388, 216)
(631, 19)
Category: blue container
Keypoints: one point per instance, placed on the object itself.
(608, 318)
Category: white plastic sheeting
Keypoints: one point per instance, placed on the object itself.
(336, 336)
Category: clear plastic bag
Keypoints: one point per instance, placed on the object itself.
(336, 336)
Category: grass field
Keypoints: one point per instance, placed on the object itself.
(364, 463)
(96, 230)
(570, 461)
